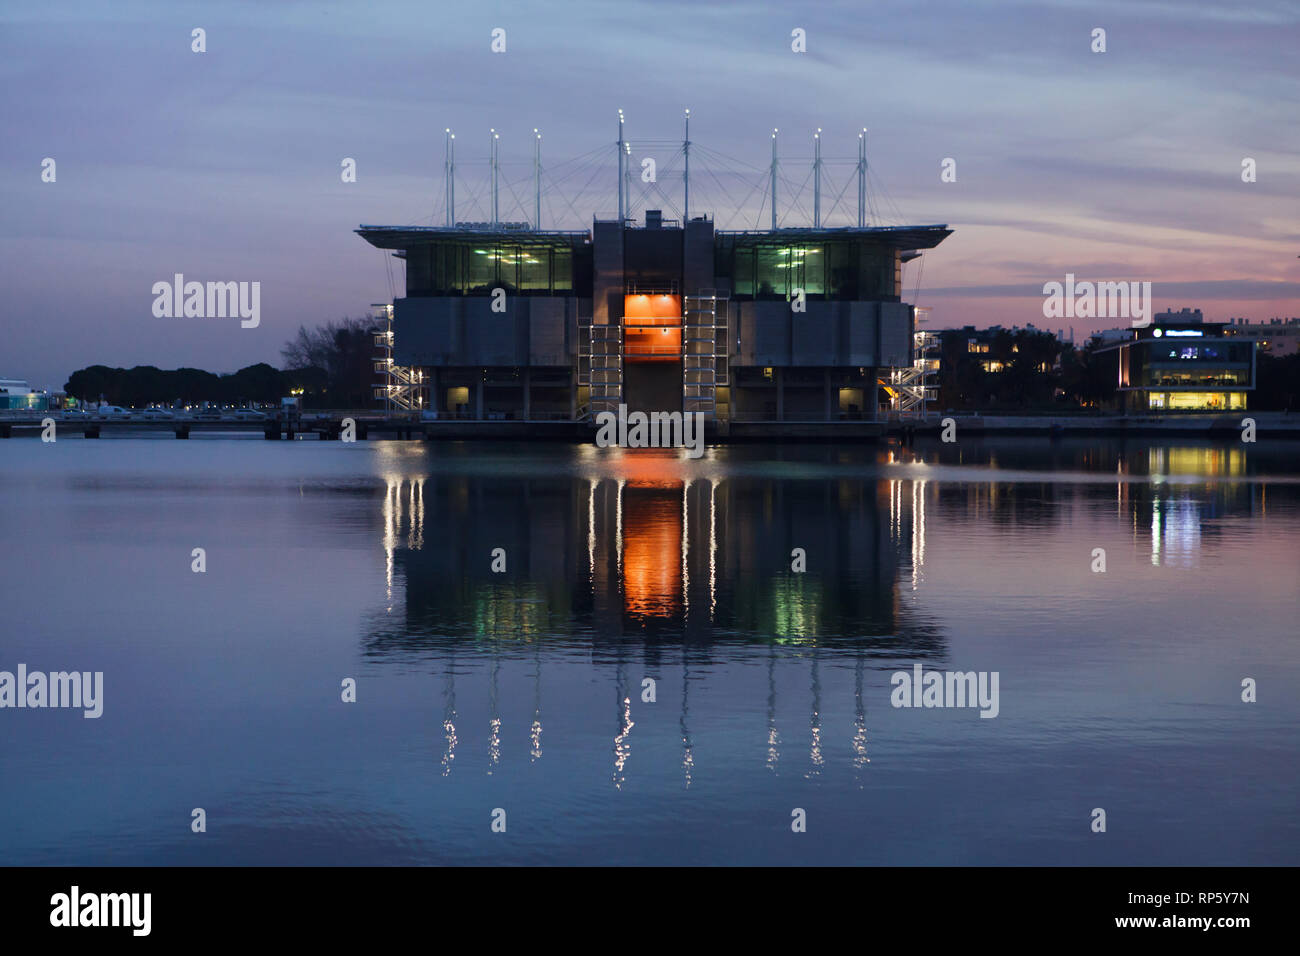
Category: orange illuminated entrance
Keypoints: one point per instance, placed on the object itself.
(652, 328)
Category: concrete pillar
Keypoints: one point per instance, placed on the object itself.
(872, 393)
(478, 398)
(826, 387)
(528, 388)
(780, 394)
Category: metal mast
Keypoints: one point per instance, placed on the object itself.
(817, 179)
(621, 209)
(537, 182)
(495, 217)
(686, 149)
(862, 178)
(446, 176)
(627, 177)
(774, 132)
(450, 184)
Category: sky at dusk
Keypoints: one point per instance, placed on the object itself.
(225, 165)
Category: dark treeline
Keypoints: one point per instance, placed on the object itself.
(331, 365)
(147, 385)
(1038, 372)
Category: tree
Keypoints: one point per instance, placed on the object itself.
(345, 350)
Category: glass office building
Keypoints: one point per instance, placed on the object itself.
(1194, 367)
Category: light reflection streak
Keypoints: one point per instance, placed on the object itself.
(713, 549)
(773, 738)
(815, 724)
(686, 547)
(449, 721)
(494, 709)
(918, 531)
(618, 528)
(688, 749)
(535, 731)
(591, 531)
(622, 747)
(860, 758)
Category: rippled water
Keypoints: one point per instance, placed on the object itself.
(523, 690)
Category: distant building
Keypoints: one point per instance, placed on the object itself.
(1181, 317)
(15, 394)
(1180, 362)
(1277, 337)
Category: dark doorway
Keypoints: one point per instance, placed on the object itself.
(653, 386)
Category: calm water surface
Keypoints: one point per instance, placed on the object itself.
(523, 690)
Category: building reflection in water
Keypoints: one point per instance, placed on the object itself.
(633, 554)
(1171, 497)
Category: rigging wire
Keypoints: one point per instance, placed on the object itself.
(720, 179)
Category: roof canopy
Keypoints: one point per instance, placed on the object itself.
(406, 237)
(902, 237)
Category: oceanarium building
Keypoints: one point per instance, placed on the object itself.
(506, 321)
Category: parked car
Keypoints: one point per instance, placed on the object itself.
(249, 415)
(208, 415)
(112, 413)
(75, 415)
(156, 415)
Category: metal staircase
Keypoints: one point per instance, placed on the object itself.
(399, 387)
(911, 387)
(600, 366)
(704, 351)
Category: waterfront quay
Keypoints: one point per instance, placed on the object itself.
(366, 425)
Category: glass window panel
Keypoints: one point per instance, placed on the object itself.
(772, 274)
(535, 269)
(419, 281)
(562, 269)
(508, 261)
(841, 270)
(480, 271)
(808, 263)
(743, 281)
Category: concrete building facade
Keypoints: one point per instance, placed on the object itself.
(510, 322)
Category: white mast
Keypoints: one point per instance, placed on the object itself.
(621, 210)
(495, 207)
(817, 179)
(686, 149)
(537, 181)
(774, 132)
(862, 178)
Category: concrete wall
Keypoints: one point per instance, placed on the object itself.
(607, 273)
(464, 331)
(828, 333)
